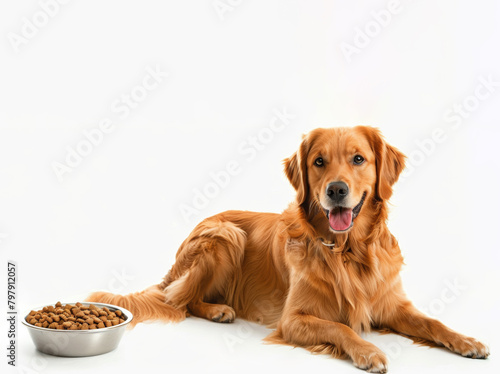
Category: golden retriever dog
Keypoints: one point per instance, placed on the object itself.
(320, 273)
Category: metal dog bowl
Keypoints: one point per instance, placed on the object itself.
(79, 343)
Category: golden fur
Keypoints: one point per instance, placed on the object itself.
(275, 269)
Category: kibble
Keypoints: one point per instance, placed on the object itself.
(75, 317)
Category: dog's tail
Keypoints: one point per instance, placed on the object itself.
(146, 305)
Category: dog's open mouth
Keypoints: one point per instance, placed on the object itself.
(341, 218)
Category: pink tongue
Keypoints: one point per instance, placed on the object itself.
(340, 220)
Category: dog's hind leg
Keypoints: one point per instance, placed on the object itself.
(215, 312)
(207, 267)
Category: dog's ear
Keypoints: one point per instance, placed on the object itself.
(390, 162)
(296, 170)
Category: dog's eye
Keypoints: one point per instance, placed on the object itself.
(358, 160)
(318, 161)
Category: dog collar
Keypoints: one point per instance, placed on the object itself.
(327, 244)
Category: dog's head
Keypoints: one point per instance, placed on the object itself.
(339, 169)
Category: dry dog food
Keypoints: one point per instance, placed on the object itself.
(75, 317)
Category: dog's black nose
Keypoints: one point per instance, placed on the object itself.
(336, 191)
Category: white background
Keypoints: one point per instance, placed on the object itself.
(114, 222)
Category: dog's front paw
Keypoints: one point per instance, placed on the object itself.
(467, 347)
(369, 358)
